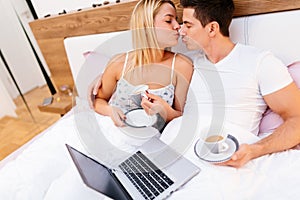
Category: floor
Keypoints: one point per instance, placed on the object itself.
(14, 132)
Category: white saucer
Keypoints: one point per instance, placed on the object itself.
(204, 153)
(138, 118)
(140, 133)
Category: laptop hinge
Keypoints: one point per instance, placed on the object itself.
(111, 171)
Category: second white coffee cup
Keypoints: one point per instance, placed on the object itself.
(215, 140)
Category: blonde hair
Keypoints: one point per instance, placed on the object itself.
(143, 31)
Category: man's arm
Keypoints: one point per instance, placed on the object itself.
(93, 90)
(285, 102)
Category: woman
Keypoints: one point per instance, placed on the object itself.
(154, 28)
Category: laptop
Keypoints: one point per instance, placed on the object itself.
(154, 171)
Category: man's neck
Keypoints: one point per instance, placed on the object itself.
(219, 49)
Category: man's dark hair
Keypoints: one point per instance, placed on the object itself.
(207, 11)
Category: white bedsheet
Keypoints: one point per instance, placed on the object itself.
(44, 170)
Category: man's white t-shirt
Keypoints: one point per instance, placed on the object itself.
(232, 90)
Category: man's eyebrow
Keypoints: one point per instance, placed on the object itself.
(187, 22)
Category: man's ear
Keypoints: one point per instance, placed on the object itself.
(213, 28)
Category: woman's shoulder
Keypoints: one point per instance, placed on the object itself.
(183, 62)
(115, 64)
(179, 57)
(183, 65)
(118, 58)
(183, 58)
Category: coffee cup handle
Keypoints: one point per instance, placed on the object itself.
(224, 147)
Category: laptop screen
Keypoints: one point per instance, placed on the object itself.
(96, 175)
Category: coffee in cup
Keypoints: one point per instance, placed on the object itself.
(214, 140)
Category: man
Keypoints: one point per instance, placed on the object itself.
(252, 79)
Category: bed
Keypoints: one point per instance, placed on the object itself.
(42, 168)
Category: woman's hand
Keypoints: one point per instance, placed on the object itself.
(153, 104)
(117, 115)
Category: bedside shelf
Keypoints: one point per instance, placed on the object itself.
(61, 105)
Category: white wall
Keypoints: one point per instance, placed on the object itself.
(45, 7)
(17, 52)
(7, 81)
(25, 16)
(7, 106)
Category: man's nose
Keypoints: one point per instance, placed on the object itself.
(182, 31)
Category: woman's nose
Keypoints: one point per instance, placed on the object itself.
(176, 26)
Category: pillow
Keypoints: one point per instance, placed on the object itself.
(271, 120)
(94, 65)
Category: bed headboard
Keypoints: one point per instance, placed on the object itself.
(50, 32)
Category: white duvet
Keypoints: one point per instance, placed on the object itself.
(43, 169)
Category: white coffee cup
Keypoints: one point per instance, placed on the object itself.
(215, 140)
(137, 94)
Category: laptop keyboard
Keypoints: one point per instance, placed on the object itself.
(145, 176)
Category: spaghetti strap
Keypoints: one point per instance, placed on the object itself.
(125, 63)
(173, 64)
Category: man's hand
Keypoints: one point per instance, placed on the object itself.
(240, 157)
(93, 90)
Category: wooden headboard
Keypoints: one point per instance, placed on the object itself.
(50, 32)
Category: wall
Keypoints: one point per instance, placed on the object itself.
(45, 7)
(17, 50)
(18, 54)
(7, 107)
